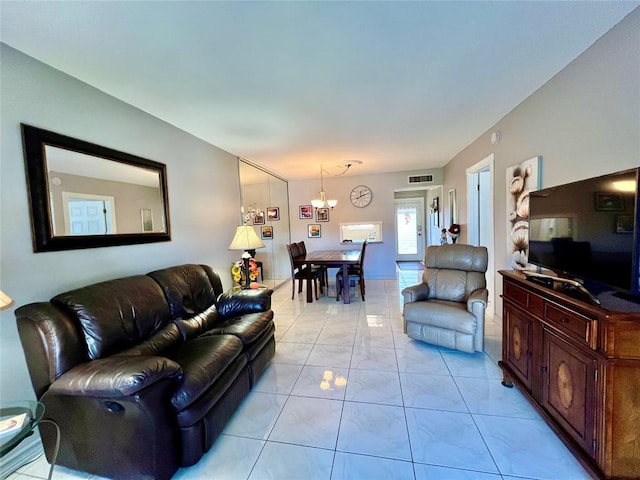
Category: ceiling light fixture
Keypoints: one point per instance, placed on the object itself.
(322, 202)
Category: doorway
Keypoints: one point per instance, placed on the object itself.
(410, 229)
(481, 215)
(87, 214)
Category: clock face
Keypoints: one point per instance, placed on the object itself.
(361, 196)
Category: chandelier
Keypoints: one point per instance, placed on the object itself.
(322, 202)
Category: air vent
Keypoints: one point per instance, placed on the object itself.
(417, 179)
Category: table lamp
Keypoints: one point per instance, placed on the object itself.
(5, 300)
(247, 240)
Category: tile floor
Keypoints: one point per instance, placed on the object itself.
(349, 396)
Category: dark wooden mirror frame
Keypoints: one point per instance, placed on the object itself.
(34, 140)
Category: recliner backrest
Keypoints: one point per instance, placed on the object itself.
(116, 314)
(189, 289)
(454, 271)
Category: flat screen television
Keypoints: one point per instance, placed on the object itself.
(587, 231)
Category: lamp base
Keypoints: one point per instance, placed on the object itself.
(247, 282)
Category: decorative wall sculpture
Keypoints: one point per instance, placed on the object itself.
(521, 180)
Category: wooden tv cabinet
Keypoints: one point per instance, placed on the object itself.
(579, 365)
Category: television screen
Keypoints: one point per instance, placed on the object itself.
(587, 230)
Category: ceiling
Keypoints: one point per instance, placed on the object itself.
(293, 85)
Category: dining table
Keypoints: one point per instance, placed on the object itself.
(330, 258)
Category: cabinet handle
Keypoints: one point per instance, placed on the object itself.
(564, 320)
(544, 369)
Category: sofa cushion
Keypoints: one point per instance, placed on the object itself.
(203, 361)
(189, 289)
(247, 328)
(157, 343)
(441, 314)
(117, 314)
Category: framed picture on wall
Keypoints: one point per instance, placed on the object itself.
(146, 219)
(314, 230)
(258, 218)
(609, 202)
(305, 212)
(273, 213)
(322, 215)
(266, 232)
(624, 224)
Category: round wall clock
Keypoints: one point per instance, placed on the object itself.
(361, 196)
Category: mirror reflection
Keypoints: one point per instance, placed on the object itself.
(95, 196)
(83, 195)
(265, 201)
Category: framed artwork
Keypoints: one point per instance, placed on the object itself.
(521, 180)
(273, 213)
(624, 224)
(435, 207)
(146, 219)
(305, 212)
(609, 202)
(266, 232)
(322, 215)
(258, 218)
(314, 230)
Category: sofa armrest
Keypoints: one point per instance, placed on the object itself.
(415, 293)
(477, 300)
(240, 302)
(118, 376)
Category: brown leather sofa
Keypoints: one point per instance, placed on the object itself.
(142, 373)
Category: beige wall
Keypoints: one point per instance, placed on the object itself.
(203, 196)
(584, 122)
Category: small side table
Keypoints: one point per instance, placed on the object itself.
(34, 413)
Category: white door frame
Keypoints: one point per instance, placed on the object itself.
(472, 206)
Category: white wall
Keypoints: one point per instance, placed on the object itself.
(584, 122)
(380, 259)
(203, 196)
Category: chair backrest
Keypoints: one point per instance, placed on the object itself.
(454, 271)
(302, 248)
(362, 252)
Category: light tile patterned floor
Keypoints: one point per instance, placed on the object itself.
(349, 396)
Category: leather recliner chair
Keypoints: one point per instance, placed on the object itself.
(448, 307)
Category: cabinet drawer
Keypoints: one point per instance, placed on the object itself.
(573, 324)
(531, 302)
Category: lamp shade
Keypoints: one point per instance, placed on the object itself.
(245, 239)
(5, 300)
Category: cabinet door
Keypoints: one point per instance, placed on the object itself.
(569, 389)
(517, 339)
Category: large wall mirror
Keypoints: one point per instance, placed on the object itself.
(265, 201)
(83, 195)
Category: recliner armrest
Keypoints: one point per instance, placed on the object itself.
(415, 293)
(117, 376)
(480, 296)
(240, 302)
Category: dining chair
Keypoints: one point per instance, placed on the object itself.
(356, 274)
(324, 279)
(300, 273)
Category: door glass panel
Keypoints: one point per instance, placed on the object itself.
(407, 228)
